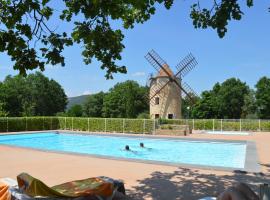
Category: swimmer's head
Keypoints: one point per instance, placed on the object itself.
(141, 144)
(127, 148)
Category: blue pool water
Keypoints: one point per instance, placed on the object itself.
(176, 151)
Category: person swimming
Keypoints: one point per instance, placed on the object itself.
(127, 148)
(142, 146)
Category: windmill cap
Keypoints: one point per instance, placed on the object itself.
(163, 73)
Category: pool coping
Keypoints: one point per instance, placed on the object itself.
(250, 165)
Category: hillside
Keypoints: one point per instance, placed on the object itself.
(76, 100)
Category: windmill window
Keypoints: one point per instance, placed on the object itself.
(157, 101)
(156, 116)
(170, 116)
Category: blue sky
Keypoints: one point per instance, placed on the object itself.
(243, 53)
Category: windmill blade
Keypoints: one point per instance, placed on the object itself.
(158, 90)
(186, 89)
(186, 65)
(150, 96)
(192, 95)
(157, 62)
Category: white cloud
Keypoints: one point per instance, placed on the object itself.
(139, 74)
(86, 92)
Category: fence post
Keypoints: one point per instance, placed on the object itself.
(193, 123)
(105, 125)
(51, 124)
(123, 125)
(240, 125)
(154, 127)
(43, 127)
(221, 124)
(260, 125)
(88, 128)
(65, 123)
(72, 123)
(7, 124)
(26, 123)
(213, 124)
(143, 126)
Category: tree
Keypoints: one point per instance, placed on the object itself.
(231, 96)
(75, 111)
(263, 97)
(249, 109)
(125, 99)
(32, 95)
(15, 91)
(93, 105)
(225, 100)
(27, 37)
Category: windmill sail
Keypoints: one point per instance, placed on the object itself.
(186, 65)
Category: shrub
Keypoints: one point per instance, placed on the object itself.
(124, 125)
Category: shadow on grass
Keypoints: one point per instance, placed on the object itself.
(191, 184)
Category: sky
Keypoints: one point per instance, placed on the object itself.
(243, 53)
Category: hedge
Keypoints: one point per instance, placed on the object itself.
(118, 125)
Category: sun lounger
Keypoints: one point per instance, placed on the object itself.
(264, 193)
(29, 188)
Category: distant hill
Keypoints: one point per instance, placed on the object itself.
(76, 100)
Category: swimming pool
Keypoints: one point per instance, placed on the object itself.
(227, 132)
(170, 151)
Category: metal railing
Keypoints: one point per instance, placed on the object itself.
(122, 125)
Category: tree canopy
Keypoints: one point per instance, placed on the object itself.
(75, 111)
(127, 99)
(263, 97)
(225, 100)
(32, 95)
(94, 105)
(28, 38)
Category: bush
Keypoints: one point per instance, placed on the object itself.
(124, 125)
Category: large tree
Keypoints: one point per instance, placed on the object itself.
(93, 105)
(225, 100)
(75, 111)
(32, 95)
(30, 40)
(127, 99)
(263, 97)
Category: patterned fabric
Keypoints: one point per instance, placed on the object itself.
(264, 192)
(87, 187)
(4, 192)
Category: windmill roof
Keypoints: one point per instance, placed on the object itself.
(163, 73)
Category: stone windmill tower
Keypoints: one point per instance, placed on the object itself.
(167, 88)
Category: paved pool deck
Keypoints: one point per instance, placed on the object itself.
(143, 181)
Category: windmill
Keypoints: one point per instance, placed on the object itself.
(167, 88)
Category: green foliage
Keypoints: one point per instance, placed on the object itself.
(28, 37)
(14, 124)
(119, 125)
(3, 113)
(125, 99)
(32, 95)
(225, 100)
(144, 115)
(93, 105)
(218, 16)
(27, 22)
(75, 111)
(263, 97)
